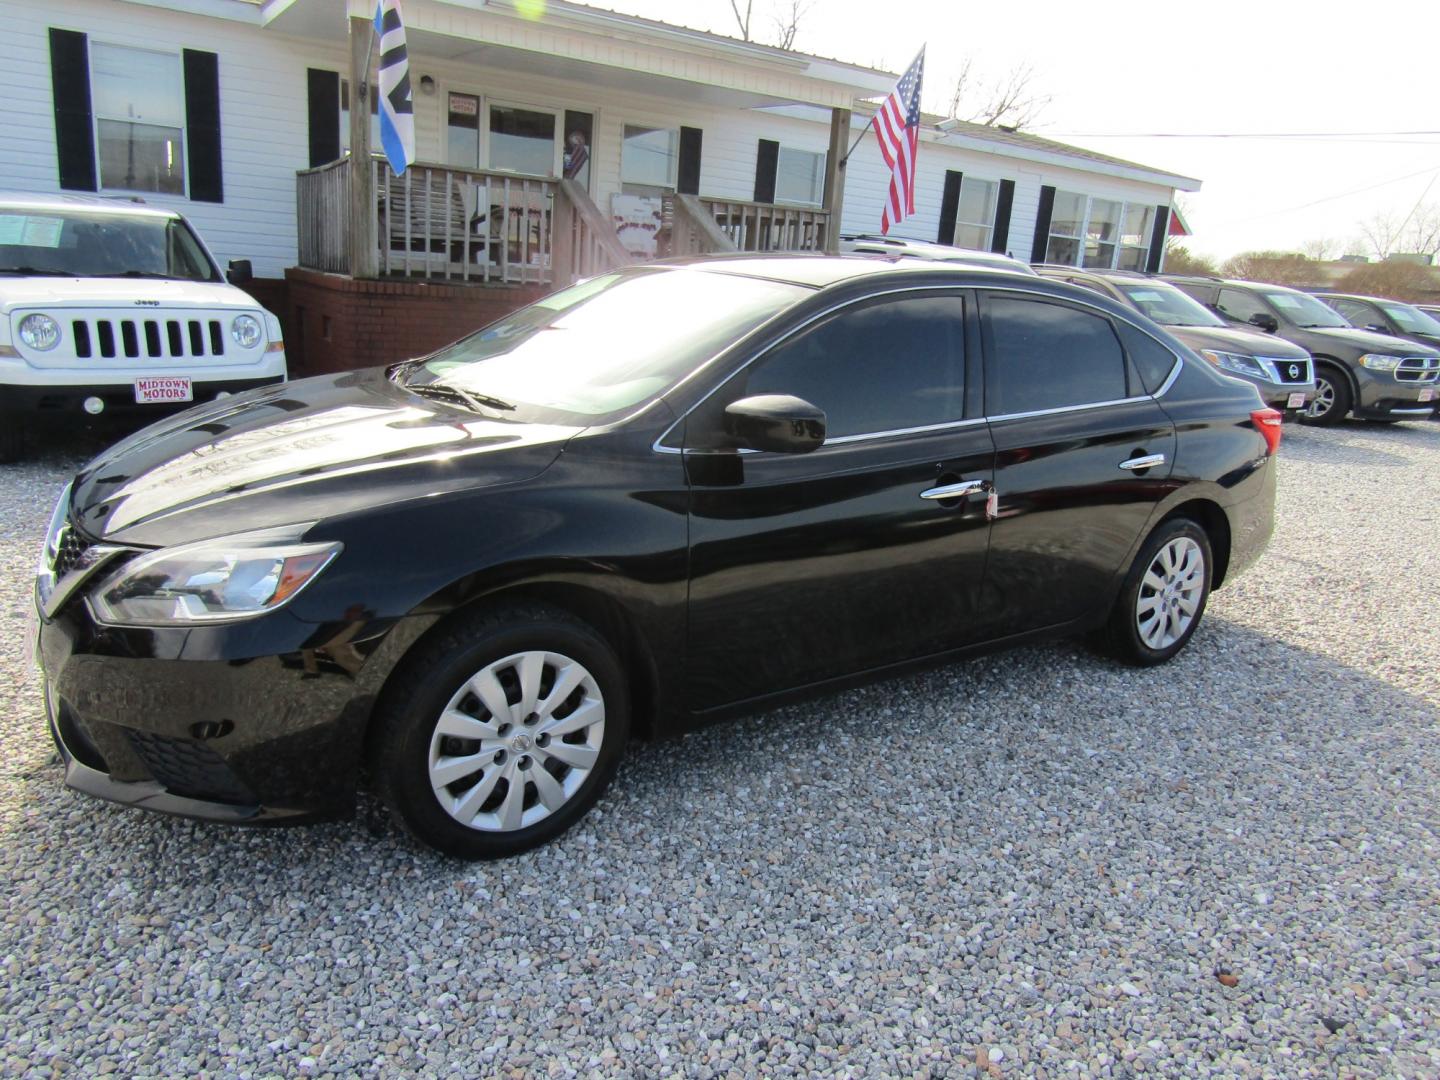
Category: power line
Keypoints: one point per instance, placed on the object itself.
(1434, 169)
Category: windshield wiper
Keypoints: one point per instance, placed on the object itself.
(31, 271)
(477, 402)
(148, 274)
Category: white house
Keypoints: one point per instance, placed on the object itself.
(547, 145)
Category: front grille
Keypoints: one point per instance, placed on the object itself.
(1287, 370)
(189, 769)
(69, 551)
(157, 339)
(1418, 369)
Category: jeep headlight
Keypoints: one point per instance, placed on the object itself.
(1237, 362)
(40, 332)
(220, 580)
(1379, 362)
(246, 331)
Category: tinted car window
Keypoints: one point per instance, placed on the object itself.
(1168, 306)
(1354, 311)
(1152, 360)
(1411, 319)
(882, 367)
(1046, 356)
(1240, 305)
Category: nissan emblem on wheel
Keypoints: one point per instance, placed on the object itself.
(471, 578)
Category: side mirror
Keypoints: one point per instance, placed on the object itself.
(776, 422)
(1378, 328)
(239, 272)
(1265, 321)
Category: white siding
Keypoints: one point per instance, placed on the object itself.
(265, 139)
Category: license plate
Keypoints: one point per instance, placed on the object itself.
(1294, 401)
(152, 389)
(1427, 395)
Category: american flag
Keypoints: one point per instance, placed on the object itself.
(897, 126)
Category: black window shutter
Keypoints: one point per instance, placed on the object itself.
(202, 125)
(1042, 224)
(767, 160)
(1157, 239)
(687, 179)
(323, 91)
(74, 131)
(949, 207)
(1000, 238)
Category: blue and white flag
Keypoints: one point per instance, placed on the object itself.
(397, 107)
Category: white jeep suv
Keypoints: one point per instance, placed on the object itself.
(108, 305)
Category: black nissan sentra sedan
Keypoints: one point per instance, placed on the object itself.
(655, 498)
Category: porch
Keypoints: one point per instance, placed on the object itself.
(473, 226)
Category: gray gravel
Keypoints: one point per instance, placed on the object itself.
(1033, 864)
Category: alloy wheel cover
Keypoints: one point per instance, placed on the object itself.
(516, 741)
(1170, 593)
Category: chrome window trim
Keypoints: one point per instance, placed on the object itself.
(1165, 386)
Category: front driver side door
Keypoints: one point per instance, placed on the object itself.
(806, 567)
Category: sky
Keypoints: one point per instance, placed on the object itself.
(1125, 67)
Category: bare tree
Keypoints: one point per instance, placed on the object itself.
(1417, 232)
(1274, 267)
(1397, 280)
(1008, 101)
(787, 22)
(1321, 249)
(743, 21)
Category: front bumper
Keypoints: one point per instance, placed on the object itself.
(68, 401)
(190, 722)
(1383, 397)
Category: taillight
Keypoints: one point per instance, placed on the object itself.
(1268, 423)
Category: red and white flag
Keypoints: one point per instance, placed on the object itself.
(897, 126)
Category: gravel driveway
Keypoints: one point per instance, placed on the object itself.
(1032, 864)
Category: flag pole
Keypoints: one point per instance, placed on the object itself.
(864, 131)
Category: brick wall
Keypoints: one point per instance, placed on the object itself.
(337, 323)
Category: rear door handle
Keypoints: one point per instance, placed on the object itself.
(956, 491)
(1147, 461)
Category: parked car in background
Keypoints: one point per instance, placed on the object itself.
(1433, 310)
(871, 244)
(805, 471)
(1386, 317)
(1279, 370)
(1374, 376)
(108, 305)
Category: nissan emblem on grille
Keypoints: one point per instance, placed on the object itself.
(1294, 371)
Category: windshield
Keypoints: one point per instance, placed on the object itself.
(75, 243)
(597, 349)
(1411, 320)
(1305, 311)
(1168, 306)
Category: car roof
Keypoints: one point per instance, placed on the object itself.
(93, 204)
(1231, 283)
(821, 271)
(1357, 296)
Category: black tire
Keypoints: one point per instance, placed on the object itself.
(429, 681)
(1333, 399)
(1122, 636)
(12, 439)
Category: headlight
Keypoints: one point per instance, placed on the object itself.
(1379, 362)
(221, 580)
(1237, 362)
(246, 331)
(40, 332)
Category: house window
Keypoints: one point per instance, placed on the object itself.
(462, 130)
(649, 159)
(139, 104)
(1103, 233)
(799, 177)
(345, 117)
(522, 140)
(975, 214)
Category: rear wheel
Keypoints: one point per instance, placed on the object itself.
(1332, 399)
(503, 733)
(1164, 596)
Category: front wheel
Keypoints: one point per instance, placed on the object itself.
(1164, 595)
(502, 733)
(1331, 401)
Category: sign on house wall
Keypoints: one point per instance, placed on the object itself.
(637, 221)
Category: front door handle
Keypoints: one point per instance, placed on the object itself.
(1146, 461)
(957, 491)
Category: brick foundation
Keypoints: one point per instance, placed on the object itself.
(336, 323)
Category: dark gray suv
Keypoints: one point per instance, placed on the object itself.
(1374, 376)
(1279, 370)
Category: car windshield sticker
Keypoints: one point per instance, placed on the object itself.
(1143, 295)
(1289, 303)
(24, 230)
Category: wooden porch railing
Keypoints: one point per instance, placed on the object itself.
(748, 226)
(322, 213)
(585, 240)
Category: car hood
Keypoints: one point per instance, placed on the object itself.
(28, 292)
(299, 452)
(1238, 341)
(1370, 341)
